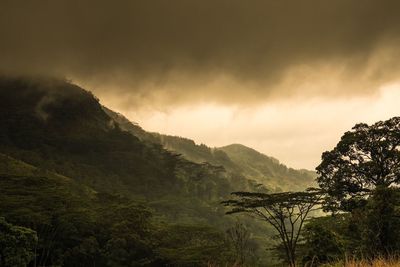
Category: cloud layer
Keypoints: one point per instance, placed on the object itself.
(232, 51)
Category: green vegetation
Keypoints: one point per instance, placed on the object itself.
(16, 245)
(99, 196)
(358, 185)
(238, 160)
(81, 185)
(286, 212)
(360, 178)
(267, 170)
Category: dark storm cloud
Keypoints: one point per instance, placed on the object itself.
(123, 44)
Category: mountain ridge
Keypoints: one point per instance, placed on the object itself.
(91, 189)
(254, 166)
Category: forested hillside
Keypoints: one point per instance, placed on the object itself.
(236, 158)
(96, 195)
(80, 185)
(268, 170)
(236, 100)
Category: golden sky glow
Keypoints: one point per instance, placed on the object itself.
(296, 131)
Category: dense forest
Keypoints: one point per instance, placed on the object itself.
(95, 194)
(80, 185)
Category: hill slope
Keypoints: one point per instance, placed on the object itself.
(93, 192)
(268, 170)
(236, 159)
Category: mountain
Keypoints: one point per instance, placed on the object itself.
(98, 195)
(268, 170)
(236, 159)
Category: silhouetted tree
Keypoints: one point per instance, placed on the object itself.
(286, 212)
(360, 175)
(366, 157)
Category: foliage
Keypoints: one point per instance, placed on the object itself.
(369, 231)
(192, 245)
(365, 157)
(286, 212)
(70, 173)
(79, 177)
(239, 236)
(84, 228)
(360, 177)
(380, 223)
(267, 170)
(325, 239)
(240, 162)
(16, 245)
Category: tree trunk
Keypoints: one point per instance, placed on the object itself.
(292, 257)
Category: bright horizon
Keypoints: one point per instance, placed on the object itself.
(295, 131)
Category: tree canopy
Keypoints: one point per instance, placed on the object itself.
(286, 212)
(366, 157)
(360, 178)
(16, 244)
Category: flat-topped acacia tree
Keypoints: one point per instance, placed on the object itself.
(286, 212)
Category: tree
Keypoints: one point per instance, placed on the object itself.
(192, 245)
(365, 158)
(16, 245)
(325, 239)
(379, 223)
(361, 175)
(239, 236)
(286, 212)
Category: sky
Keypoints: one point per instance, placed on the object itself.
(285, 77)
